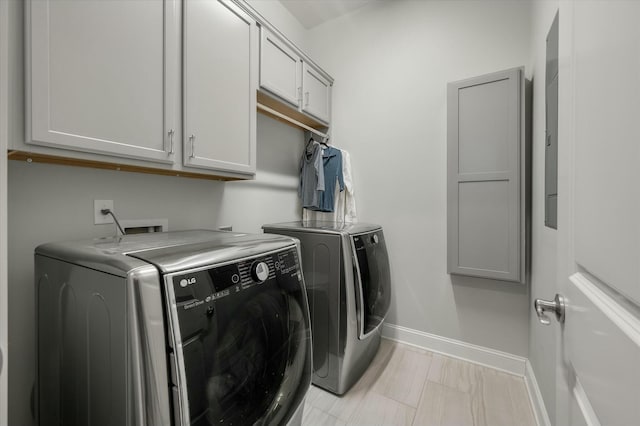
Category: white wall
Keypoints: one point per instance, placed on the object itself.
(280, 17)
(391, 62)
(273, 195)
(542, 340)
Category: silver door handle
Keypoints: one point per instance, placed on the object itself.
(170, 133)
(306, 97)
(192, 139)
(557, 306)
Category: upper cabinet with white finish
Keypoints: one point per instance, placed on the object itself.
(316, 93)
(159, 86)
(286, 73)
(220, 54)
(280, 68)
(103, 77)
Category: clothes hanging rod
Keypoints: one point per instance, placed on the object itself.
(291, 120)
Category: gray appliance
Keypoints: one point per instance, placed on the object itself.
(179, 328)
(346, 269)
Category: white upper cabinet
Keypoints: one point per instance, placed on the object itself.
(280, 68)
(104, 84)
(102, 76)
(220, 59)
(316, 93)
(286, 73)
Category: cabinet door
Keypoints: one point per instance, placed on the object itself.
(486, 176)
(316, 98)
(220, 81)
(280, 68)
(102, 76)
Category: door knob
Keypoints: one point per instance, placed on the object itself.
(556, 306)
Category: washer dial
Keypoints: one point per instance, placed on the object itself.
(260, 271)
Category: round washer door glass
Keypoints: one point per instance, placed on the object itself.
(245, 342)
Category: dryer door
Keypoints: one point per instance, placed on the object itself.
(242, 346)
(373, 281)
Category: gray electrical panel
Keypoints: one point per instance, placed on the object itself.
(551, 133)
(487, 176)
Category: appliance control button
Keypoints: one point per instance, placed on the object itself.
(260, 271)
(374, 239)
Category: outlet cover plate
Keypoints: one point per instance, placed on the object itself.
(98, 217)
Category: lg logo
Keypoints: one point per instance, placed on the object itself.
(187, 281)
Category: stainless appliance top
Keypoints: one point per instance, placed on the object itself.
(169, 251)
(325, 227)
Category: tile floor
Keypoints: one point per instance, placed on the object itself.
(409, 386)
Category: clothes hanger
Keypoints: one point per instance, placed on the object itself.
(309, 142)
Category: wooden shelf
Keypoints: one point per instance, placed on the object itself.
(66, 161)
(282, 108)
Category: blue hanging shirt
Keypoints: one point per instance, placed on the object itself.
(332, 161)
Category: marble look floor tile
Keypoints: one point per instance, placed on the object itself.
(315, 396)
(313, 416)
(521, 402)
(408, 385)
(454, 373)
(341, 407)
(378, 410)
(344, 406)
(404, 376)
(493, 403)
(443, 406)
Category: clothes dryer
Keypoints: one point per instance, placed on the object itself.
(346, 269)
(181, 328)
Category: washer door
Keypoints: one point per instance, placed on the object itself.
(373, 281)
(246, 350)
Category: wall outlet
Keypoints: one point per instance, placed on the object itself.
(98, 217)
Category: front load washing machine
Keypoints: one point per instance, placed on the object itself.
(180, 328)
(346, 269)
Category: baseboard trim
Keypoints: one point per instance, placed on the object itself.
(535, 396)
(492, 358)
(487, 357)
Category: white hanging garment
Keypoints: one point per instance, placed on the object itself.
(345, 203)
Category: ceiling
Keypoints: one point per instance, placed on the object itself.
(311, 13)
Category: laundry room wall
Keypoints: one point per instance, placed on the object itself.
(392, 61)
(278, 15)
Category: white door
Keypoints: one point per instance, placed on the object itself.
(220, 81)
(102, 76)
(598, 371)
